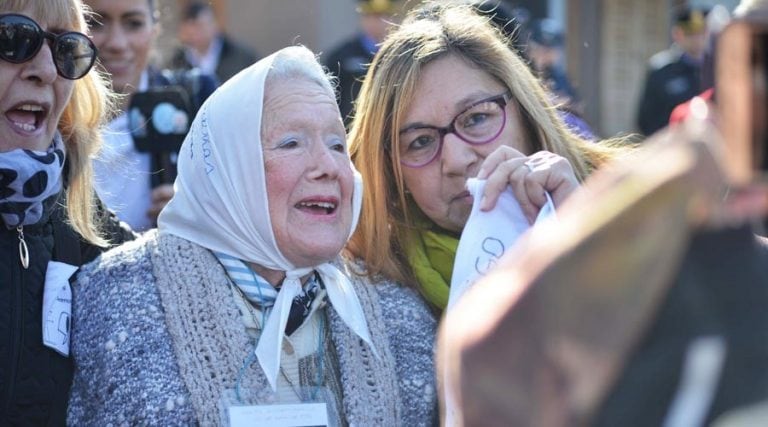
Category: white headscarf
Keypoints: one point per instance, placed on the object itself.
(220, 203)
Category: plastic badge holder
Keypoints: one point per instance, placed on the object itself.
(264, 408)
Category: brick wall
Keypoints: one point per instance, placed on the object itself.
(632, 31)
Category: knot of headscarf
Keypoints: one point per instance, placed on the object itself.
(221, 203)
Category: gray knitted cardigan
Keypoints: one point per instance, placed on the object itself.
(157, 338)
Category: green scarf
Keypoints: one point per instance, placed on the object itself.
(431, 255)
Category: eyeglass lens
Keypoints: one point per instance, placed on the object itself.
(479, 124)
(21, 39)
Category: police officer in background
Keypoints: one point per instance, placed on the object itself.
(674, 74)
(349, 61)
(545, 48)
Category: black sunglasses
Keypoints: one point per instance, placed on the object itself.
(21, 39)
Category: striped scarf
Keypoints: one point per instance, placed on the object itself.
(263, 295)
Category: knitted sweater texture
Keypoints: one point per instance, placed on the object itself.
(157, 338)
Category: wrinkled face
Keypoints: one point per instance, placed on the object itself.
(32, 96)
(123, 32)
(439, 188)
(308, 172)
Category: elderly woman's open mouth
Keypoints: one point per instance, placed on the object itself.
(318, 205)
(27, 117)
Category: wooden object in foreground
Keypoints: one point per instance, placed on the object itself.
(540, 340)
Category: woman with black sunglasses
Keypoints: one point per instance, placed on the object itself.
(51, 108)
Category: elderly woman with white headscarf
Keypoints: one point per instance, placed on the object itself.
(239, 308)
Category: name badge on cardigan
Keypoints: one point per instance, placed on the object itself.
(57, 306)
(269, 409)
(288, 415)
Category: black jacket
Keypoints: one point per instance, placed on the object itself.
(672, 79)
(721, 290)
(349, 62)
(35, 380)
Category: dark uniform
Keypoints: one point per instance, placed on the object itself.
(673, 78)
(349, 62)
(674, 75)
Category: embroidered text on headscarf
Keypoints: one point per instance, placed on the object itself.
(205, 146)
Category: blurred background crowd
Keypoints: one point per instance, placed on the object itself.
(595, 54)
(614, 69)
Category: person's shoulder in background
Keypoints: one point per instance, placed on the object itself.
(664, 58)
(351, 46)
(235, 56)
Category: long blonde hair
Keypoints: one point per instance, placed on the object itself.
(81, 121)
(427, 34)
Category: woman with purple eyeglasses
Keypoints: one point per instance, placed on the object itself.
(445, 100)
(51, 108)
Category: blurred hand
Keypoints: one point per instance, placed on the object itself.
(161, 195)
(529, 177)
